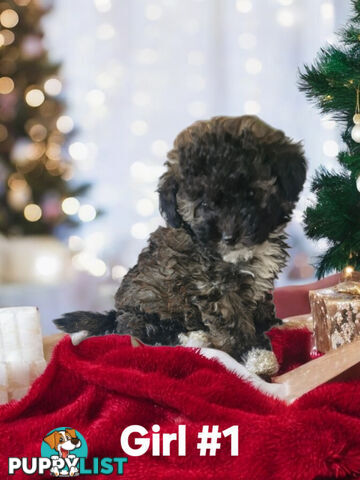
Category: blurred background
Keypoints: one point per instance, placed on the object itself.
(93, 92)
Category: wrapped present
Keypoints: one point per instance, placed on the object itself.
(336, 315)
(21, 351)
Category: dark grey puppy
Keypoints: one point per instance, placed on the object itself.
(206, 278)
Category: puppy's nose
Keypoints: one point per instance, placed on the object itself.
(229, 239)
(74, 441)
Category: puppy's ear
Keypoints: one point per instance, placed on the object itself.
(51, 439)
(71, 432)
(290, 171)
(168, 188)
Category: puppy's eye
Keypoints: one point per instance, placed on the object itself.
(61, 440)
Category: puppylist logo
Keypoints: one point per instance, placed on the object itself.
(63, 453)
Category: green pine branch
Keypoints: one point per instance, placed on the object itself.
(331, 84)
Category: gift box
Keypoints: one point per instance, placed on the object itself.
(336, 315)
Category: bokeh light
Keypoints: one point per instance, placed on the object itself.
(285, 17)
(9, 18)
(244, 6)
(70, 205)
(65, 124)
(330, 148)
(252, 107)
(34, 97)
(32, 212)
(6, 85)
(53, 86)
(87, 213)
(139, 127)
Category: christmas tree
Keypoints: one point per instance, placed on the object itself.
(333, 83)
(36, 196)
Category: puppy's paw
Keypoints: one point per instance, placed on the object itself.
(196, 339)
(261, 362)
(78, 337)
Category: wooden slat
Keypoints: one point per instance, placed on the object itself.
(340, 364)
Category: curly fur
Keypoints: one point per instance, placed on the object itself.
(228, 192)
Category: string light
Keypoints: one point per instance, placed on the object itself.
(159, 148)
(95, 98)
(17, 199)
(348, 271)
(87, 213)
(85, 261)
(9, 18)
(103, 5)
(244, 6)
(65, 124)
(6, 85)
(253, 66)
(146, 173)
(32, 212)
(252, 107)
(140, 231)
(34, 97)
(78, 151)
(105, 31)
(97, 267)
(327, 10)
(330, 148)
(139, 127)
(145, 207)
(48, 266)
(53, 86)
(75, 243)
(70, 206)
(37, 132)
(118, 272)
(16, 181)
(153, 12)
(7, 37)
(285, 17)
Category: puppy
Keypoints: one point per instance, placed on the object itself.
(63, 441)
(205, 280)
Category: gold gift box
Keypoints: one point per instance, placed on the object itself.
(336, 315)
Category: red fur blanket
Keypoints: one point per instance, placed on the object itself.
(104, 385)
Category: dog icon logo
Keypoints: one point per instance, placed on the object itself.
(64, 446)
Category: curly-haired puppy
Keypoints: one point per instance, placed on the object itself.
(206, 278)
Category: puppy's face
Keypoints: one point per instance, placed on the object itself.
(63, 441)
(233, 192)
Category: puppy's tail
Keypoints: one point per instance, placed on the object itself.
(81, 324)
